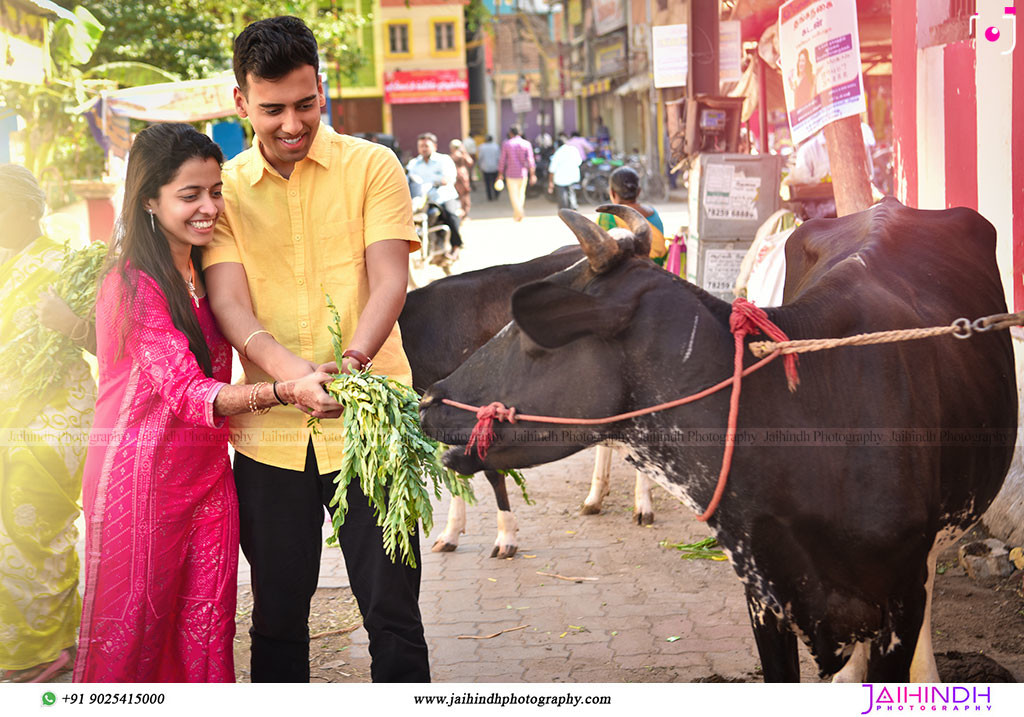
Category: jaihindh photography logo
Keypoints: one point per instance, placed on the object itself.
(927, 698)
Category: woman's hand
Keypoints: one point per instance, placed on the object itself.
(309, 395)
(55, 314)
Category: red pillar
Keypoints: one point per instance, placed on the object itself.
(904, 98)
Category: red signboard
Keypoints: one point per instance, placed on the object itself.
(402, 88)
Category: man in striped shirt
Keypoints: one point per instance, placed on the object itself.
(516, 167)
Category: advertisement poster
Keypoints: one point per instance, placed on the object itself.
(730, 51)
(820, 56)
(416, 86)
(671, 61)
(609, 15)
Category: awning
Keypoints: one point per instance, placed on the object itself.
(636, 83)
(191, 101)
(46, 7)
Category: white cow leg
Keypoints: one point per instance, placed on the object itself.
(448, 541)
(507, 542)
(923, 667)
(856, 668)
(599, 482)
(643, 507)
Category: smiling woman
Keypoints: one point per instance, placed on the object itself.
(158, 491)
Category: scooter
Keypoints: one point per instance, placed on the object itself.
(434, 235)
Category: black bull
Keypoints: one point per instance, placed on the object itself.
(834, 538)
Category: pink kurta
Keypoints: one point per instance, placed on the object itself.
(161, 511)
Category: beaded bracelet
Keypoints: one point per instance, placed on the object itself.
(253, 407)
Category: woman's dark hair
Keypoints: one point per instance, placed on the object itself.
(270, 49)
(625, 182)
(156, 156)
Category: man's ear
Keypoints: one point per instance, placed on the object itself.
(240, 103)
(553, 315)
(321, 98)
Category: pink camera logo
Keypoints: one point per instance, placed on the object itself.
(992, 33)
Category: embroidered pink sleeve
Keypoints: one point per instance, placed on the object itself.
(162, 353)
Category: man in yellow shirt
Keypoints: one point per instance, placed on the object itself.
(309, 211)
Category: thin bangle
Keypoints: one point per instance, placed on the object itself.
(278, 397)
(85, 333)
(253, 404)
(245, 346)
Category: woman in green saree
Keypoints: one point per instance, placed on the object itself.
(44, 423)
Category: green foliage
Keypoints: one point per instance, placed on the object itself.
(701, 550)
(478, 16)
(520, 481)
(193, 38)
(386, 451)
(38, 358)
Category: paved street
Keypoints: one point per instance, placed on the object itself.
(491, 237)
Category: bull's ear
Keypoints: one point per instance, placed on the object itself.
(553, 315)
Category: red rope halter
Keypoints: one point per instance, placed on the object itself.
(745, 319)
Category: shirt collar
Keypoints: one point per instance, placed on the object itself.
(319, 152)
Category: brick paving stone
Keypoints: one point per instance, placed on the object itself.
(453, 629)
(632, 642)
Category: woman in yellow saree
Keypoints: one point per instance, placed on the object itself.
(44, 439)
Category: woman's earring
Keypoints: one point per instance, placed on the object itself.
(152, 222)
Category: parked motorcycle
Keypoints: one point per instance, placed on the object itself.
(434, 235)
(596, 173)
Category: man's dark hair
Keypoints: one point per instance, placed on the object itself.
(270, 49)
(514, 130)
(428, 135)
(490, 138)
(575, 133)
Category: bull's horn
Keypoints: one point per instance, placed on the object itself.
(636, 222)
(601, 249)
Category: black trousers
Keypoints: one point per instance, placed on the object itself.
(450, 216)
(282, 513)
(489, 179)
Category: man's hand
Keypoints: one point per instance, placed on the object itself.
(296, 368)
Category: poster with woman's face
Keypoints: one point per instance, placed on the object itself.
(820, 57)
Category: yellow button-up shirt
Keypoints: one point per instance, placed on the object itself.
(298, 238)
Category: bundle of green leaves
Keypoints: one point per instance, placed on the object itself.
(38, 358)
(388, 454)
